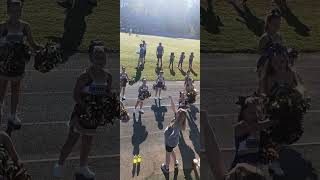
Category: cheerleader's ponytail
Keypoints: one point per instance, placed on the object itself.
(93, 45)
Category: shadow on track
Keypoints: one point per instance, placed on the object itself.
(159, 113)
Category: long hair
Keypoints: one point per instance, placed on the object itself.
(181, 119)
(245, 102)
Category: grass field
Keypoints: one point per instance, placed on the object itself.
(47, 18)
(235, 35)
(130, 44)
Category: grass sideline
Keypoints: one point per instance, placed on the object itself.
(235, 37)
(47, 18)
(130, 44)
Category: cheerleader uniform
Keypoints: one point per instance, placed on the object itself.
(9, 38)
(92, 87)
(188, 83)
(247, 149)
(183, 104)
(123, 79)
(160, 82)
(142, 91)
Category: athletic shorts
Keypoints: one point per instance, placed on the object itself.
(169, 149)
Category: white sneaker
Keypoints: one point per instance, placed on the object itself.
(176, 165)
(141, 111)
(86, 172)
(160, 98)
(57, 171)
(14, 120)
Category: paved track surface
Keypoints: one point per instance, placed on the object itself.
(143, 134)
(225, 77)
(45, 108)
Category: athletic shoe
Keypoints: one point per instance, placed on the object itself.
(164, 168)
(86, 172)
(57, 171)
(141, 111)
(176, 165)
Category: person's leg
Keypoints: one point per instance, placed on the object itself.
(3, 90)
(137, 103)
(155, 96)
(159, 93)
(141, 105)
(86, 144)
(15, 92)
(168, 156)
(68, 146)
(161, 62)
(174, 157)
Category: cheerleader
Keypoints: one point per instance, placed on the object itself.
(94, 81)
(248, 132)
(238, 171)
(172, 136)
(188, 82)
(124, 78)
(143, 94)
(183, 101)
(272, 32)
(14, 31)
(160, 84)
(171, 60)
(276, 72)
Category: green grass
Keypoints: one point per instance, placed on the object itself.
(47, 18)
(235, 36)
(129, 58)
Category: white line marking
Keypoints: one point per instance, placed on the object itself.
(293, 145)
(71, 158)
(207, 67)
(167, 105)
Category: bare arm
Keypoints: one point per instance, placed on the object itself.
(80, 84)
(30, 39)
(216, 161)
(173, 106)
(8, 145)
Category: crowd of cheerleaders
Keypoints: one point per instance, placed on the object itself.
(97, 104)
(186, 98)
(270, 118)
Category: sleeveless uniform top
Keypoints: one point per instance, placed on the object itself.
(16, 37)
(247, 149)
(123, 76)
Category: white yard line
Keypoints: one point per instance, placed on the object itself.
(70, 158)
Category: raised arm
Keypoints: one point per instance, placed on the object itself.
(173, 106)
(214, 154)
